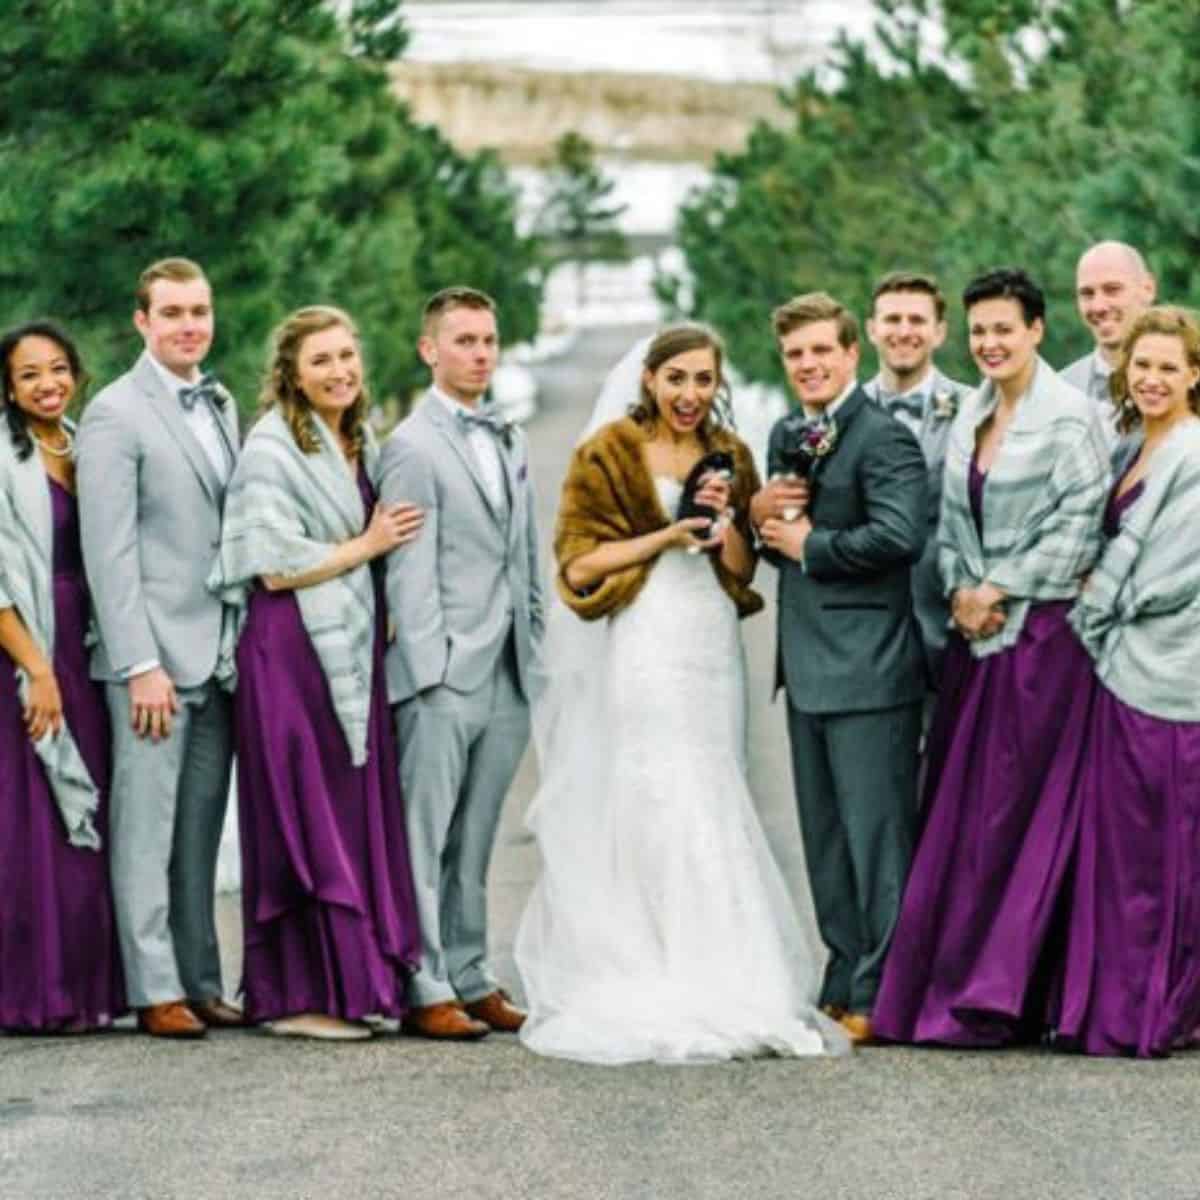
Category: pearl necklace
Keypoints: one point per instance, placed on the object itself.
(63, 451)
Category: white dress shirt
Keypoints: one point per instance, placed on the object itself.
(202, 421)
(487, 454)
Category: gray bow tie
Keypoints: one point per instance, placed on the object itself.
(486, 417)
(913, 404)
(208, 390)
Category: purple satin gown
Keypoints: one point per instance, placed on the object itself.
(60, 966)
(329, 915)
(1132, 978)
(973, 957)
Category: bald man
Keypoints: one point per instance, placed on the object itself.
(1113, 286)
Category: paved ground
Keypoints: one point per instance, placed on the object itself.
(243, 1116)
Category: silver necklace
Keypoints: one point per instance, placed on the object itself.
(63, 451)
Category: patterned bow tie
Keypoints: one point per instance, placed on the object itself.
(208, 390)
(912, 404)
(486, 417)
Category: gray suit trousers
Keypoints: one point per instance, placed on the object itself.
(459, 752)
(166, 811)
(856, 776)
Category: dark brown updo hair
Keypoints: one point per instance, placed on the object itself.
(281, 384)
(1169, 320)
(679, 339)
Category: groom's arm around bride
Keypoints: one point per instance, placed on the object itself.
(849, 647)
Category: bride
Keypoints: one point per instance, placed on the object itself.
(660, 928)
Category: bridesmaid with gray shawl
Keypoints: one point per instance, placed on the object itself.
(60, 968)
(1132, 978)
(329, 916)
(1026, 476)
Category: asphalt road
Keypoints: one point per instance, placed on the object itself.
(244, 1116)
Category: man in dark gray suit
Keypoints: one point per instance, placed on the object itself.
(907, 325)
(156, 448)
(850, 652)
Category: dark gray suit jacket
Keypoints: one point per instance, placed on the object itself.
(848, 638)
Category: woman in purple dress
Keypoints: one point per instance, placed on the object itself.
(329, 917)
(60, 968)
(1132, 978)
(1026, 476)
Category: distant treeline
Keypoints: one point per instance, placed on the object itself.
(1042, 128)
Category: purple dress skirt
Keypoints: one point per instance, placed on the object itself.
(1132, 979)
(972, 957)
(60, 967)
(329, 915)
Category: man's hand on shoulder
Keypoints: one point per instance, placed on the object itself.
(786, 537)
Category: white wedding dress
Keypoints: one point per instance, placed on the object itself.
(661, 927)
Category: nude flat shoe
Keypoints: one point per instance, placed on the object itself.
(319, 1027)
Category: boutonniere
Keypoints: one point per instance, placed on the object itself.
(802, 444)
(804, 441)
(945, 404)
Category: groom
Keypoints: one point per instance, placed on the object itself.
(850, 653)
(465, 602)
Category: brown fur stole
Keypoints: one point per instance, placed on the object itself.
(608, 495)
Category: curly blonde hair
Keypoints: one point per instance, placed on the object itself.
(281, 386)
(1169, 320)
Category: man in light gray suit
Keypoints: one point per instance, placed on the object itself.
(155, 450)
(1113, 286)
(465, 602)
(907, 326)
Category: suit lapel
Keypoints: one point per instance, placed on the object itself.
(435, 412)
(168, 410)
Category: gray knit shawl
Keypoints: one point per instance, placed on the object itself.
(26, 575)
(285, 513)
(1139, 616)
(1042, 506)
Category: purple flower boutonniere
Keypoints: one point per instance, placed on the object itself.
(803, 442)
(945, 404)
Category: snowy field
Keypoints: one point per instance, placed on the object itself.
(731, 41)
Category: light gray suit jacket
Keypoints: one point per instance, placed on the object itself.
(929, 600)
(472, 574)
(150, 516)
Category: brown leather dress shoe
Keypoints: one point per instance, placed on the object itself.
(219, 1014)
(446, 1020)
(497, 1012)
(835, 1012)
(172, 1020)
(858, 1029)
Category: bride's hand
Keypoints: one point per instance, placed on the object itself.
(687, 533)
(715, 491)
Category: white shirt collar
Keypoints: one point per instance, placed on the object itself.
(174, 383)
(831, 409)
(449, 403)
(1100, 364)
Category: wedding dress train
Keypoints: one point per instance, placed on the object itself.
(661, 927)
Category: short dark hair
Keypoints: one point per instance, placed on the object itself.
(177, 270)
(1008, 283)
(812, 307)
(450, 298)
(911, 281)
(18, 428)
